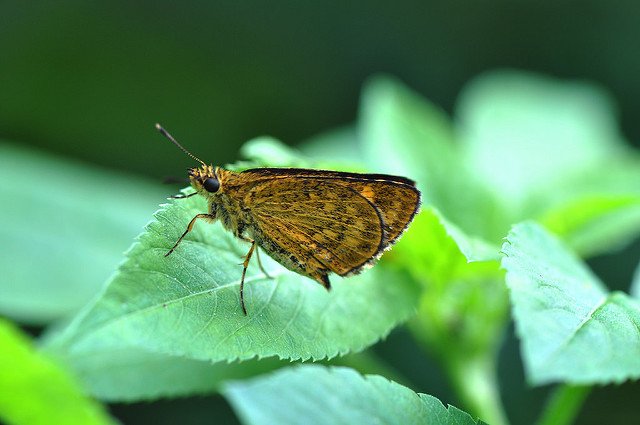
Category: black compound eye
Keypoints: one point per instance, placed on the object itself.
(211, 184)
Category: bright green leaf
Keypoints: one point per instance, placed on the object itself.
(60, 242)
(474, 249)
(597, 211)
(402, 133)
(464, 304)
(463, 307)
(187, 304)
(340, 144)
(571, 328)
(523, 133)
(267, 151)
(591, 225)
(320, 395)
(34, 390)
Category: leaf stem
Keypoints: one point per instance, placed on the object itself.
(475, 383)
(564, 405)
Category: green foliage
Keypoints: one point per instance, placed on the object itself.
(563, 312)
(337, 396)
(520, 147)
(132, 374)
(187, 304)
(34, 390)
(56, 213)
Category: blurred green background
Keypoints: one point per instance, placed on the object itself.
(88, 79)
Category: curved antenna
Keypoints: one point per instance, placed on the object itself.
(166, 134)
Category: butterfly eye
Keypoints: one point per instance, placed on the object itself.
(211, 184)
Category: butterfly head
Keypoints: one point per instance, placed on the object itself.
(205, 179)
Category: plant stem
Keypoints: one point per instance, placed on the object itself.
(564, 405)
(474, 380)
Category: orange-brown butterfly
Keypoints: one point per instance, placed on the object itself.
(311, 221)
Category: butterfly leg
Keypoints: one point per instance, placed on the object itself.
(325, 282)
(182, 195)
(322, 279)
(189, 227)
(245, 264)
(262, 269)
(261, 266)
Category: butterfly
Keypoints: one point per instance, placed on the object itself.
(313, 222)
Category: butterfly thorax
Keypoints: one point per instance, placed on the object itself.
(221, 188)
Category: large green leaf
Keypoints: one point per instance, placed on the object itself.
(571, 328)
(336, 395)
(591, 225)
(187, 304)
(597, 211)
(131, 374)
(64, 228)
(339, 144)
(35, 390)
(523, 133)
(402, 133)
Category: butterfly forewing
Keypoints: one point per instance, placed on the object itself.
(319, 221)
(391, 199)
(396, 198)
(337, 221)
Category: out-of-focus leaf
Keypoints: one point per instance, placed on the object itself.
(34, 390)
(571, 328)
(187, 304)
(402, 133)
(523, 133)
(130, 374)
(340, 144)
(464, 303)
(319, 395)
(64, 228)
(463, 307)
(597, 211)
(592, 225)
(267, 151)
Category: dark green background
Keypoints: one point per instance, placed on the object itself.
(88, 79)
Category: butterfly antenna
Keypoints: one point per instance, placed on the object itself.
(166, 134)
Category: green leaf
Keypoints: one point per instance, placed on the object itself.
(267, 151)
(402, 133)
(463, 307)
(187, 304)
(320, 395)
(597, 211)
(340, 144)
(464, 304)
(130, 374)
(34, 390)
(61, 241)
(523, 133)
(571, 328)
(591, 225)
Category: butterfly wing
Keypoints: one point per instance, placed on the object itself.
(323, 225)
(329, 222)
(396, 198)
